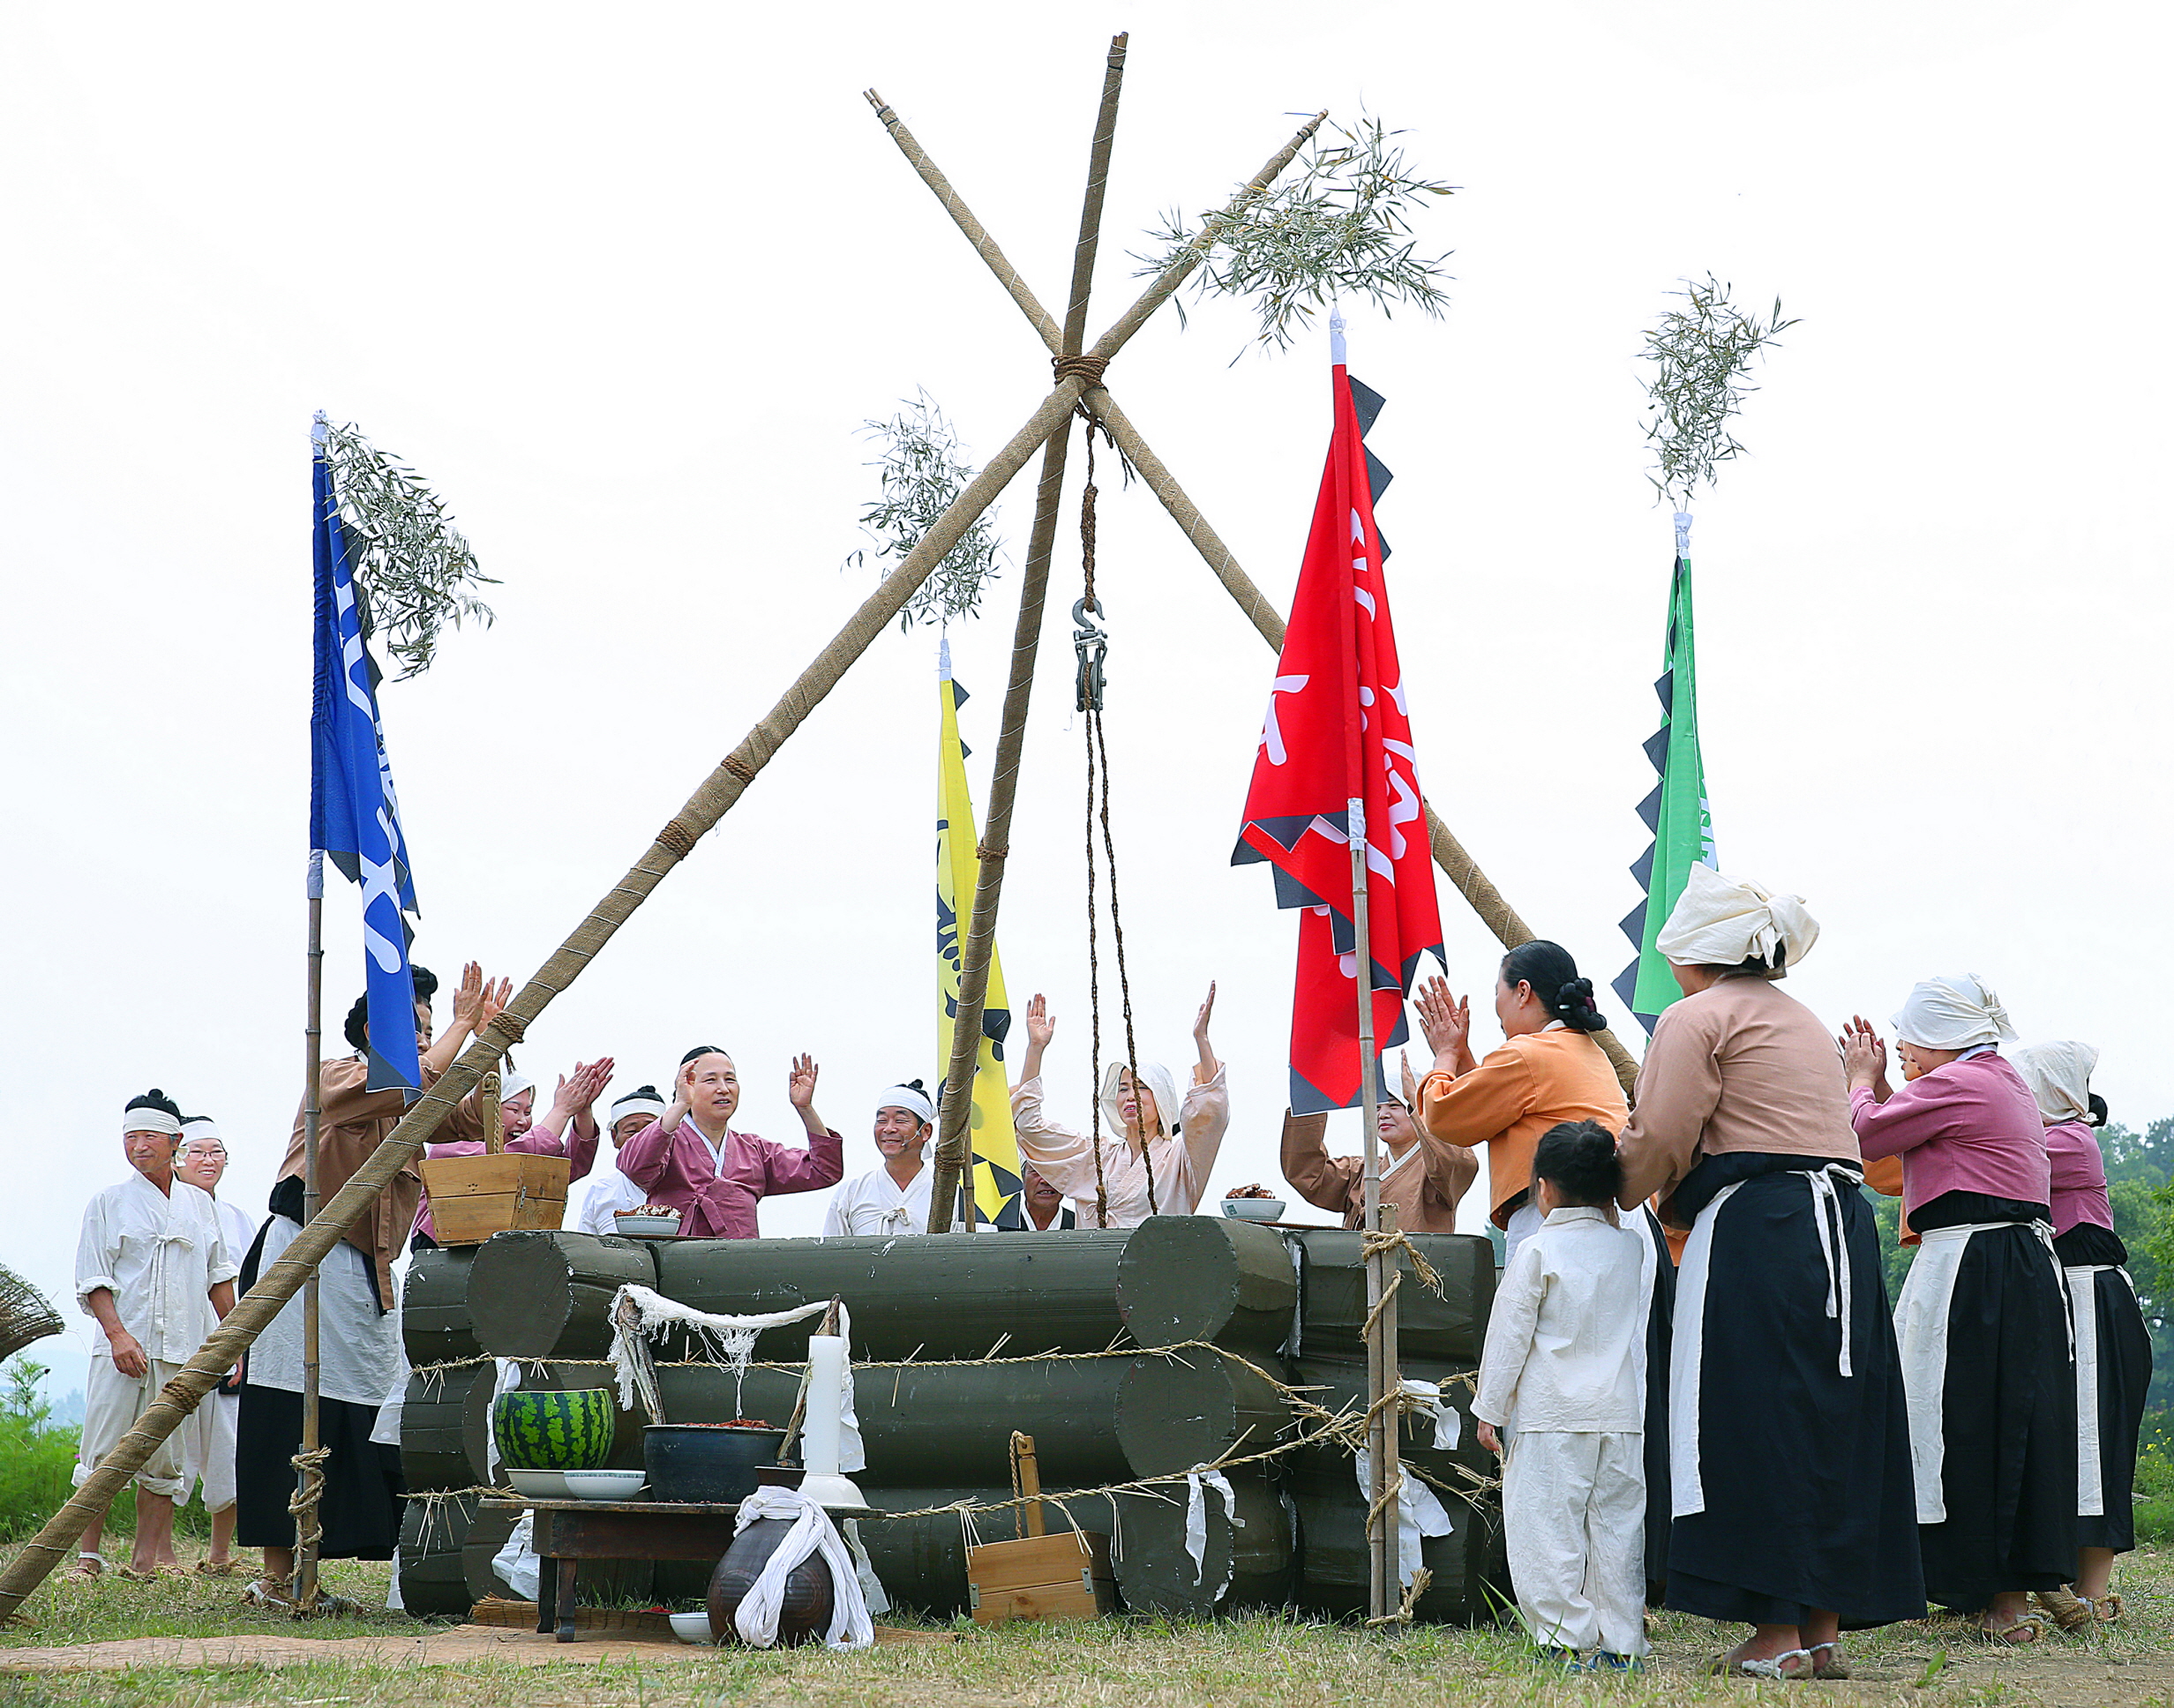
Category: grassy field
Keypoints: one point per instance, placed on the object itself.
(1263, 1660)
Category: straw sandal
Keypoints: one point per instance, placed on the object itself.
(2071, 1611)
(1833, 1665)
(2106, 1609)
(2007, 1636)
(217, 1567)
(1789, 1665)
(129, 1574)
(261, 1593)
(90, 1567)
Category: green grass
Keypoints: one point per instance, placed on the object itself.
(1265, 1662)
(2154, 1483)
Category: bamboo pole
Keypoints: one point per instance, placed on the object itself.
(1382, 1526)
(954, 1142)
(718, 794)
(309, 1475)
(1449, 854)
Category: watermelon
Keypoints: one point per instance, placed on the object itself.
(540, 1431)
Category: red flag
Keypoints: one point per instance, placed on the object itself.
(1337, 730)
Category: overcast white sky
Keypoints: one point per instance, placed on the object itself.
(623, 282)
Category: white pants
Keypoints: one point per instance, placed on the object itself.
(111, 1404)
(1524, 1222)
(207, 1449)
(1574, 1508)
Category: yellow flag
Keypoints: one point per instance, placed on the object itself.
(996, 1147)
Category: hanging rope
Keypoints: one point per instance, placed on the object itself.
(1089, 702)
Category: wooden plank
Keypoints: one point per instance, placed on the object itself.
(1061, 1557)
(1047, 1601)
(660, 1532)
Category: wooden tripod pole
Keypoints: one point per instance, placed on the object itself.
(954, 1142)
(718, 794)
(1449, 854)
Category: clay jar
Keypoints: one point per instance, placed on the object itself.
(805, 1614)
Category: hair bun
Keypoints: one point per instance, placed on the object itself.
(1575, 1007)
(2099, 1112)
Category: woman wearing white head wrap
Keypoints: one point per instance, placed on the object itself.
(1984, 1317)
(1788, 1439)
(1160, 1149)
(568, 1129)
(2113, 1345)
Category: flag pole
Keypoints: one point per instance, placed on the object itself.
(308, 1476)
(1382, 1381)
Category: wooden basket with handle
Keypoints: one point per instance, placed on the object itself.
(1039, 1575)
(474, 1197)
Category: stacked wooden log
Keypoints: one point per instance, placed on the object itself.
(960, 1340)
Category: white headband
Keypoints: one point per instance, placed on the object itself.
(512, 1085)
(2059, 1077)
(1723, 922)
(914, 1103)
(634, 1104)
(149, 1121)
(1953, 1014)
(202, 1127)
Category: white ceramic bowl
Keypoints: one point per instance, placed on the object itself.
(1254, 1209)
(540, 1485)
(637, 1227)
(691, 1627)
(604, 1485)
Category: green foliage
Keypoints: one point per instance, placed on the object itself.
(1339, 226)
(413, 568)
(1894, 1257)
(922, 474)
(2154, 1480)
(1702, 357)
(37, 1464)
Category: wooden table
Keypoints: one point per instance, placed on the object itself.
(568, 1532)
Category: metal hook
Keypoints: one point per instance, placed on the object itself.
(1091, 642)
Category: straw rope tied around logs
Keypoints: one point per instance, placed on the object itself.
(1089, 368)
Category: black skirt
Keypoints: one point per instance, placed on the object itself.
(1660, 1333)
(1793, 1492)
(2113, 1370)
(1998, 1510)
(361, 1507)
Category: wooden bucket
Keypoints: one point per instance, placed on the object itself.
(1039, 1575)
(474, 1197)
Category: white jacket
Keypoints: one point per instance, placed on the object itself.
(1566, 1342)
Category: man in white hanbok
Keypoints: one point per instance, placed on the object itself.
(153, 1269)
(894, 1198)
(208, 1438)
(610, 1191)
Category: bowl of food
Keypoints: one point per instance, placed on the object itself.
(604, 1485)
(650, 1222)
(692, 1627)
(1254, 1209)
(539, 1485)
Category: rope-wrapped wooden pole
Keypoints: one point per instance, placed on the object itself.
(954, 1141)
(716, 797)
(1449, 854)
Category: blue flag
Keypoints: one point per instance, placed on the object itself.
(354, 814)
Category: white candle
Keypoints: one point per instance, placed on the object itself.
(826, 1384)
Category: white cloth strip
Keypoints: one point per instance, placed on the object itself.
(2082, 1286)
(812, 1533)
(1834, 1247)
(1688, 1490)
(1198, 1480)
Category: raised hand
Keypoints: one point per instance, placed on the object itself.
(801, 1086)
(466, 999)
(1209, 1065)
(1041, 1026)
(682, 1097)
(1446, 1021)
(492, 1001)
(1865, 1057)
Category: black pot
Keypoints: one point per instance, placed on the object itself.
(805, 1613)
(706, 1461)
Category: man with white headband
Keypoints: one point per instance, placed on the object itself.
(893, 1199)
(1788, 1462)
(568, 1129)
(610, 1191)
(1983, 1316)
(207, 1437)
(153, 1269)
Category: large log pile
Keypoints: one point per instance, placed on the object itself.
(1127, 1355)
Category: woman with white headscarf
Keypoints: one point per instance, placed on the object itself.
(1788, 1439)
(1984, 1317)
(1159, 1150)
(2113, 1346)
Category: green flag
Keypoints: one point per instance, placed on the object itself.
(1676, 812)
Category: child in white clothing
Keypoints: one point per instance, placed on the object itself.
(1563, 1379)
